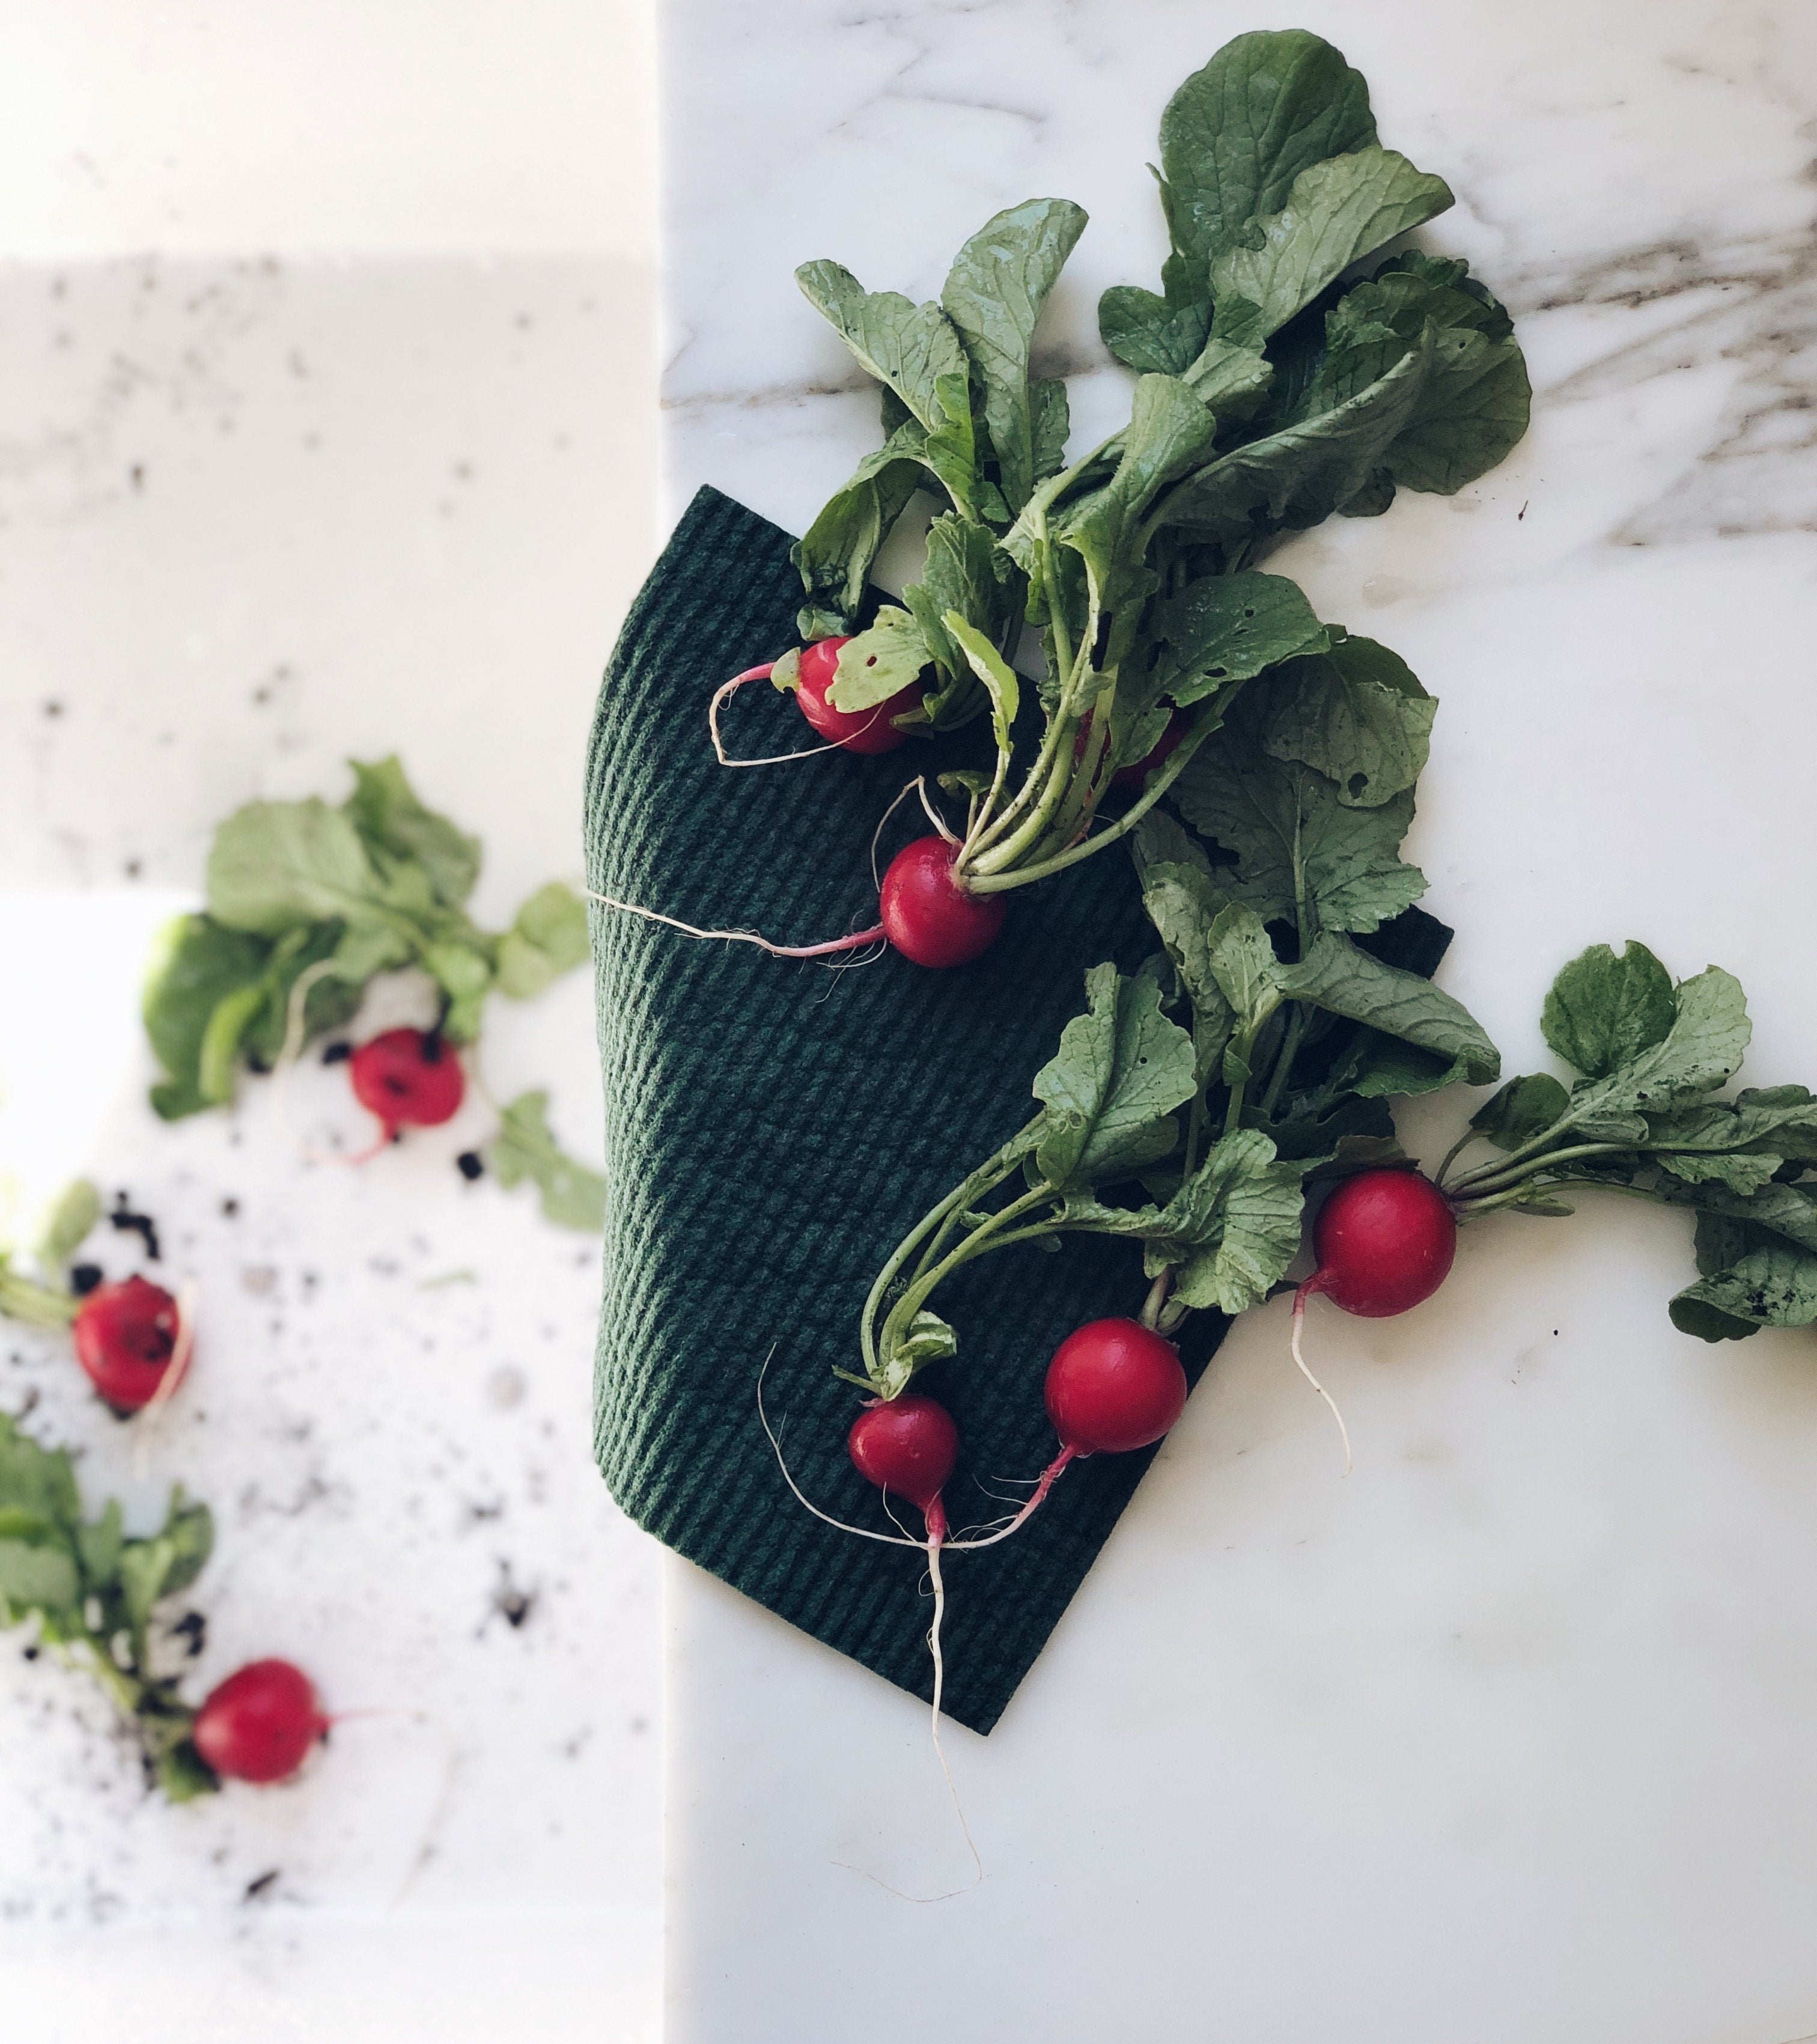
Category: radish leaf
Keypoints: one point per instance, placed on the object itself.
(525, 1148)
(1121, 1070)
(993, 296)
(1337, 212)
(548, 938)
(1604, 1010)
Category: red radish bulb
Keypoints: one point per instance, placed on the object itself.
(260, 1724)
(125, 1336)
(1114, 1386)
(409, 1078)
(1132, 776)
(1384, 1240)
(907, 1445)
(865, 731)
(928, 917)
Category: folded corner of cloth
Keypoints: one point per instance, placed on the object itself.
(774, 1128)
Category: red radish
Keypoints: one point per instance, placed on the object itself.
(125, 1336)
(1133, 775)
(907, 1445)
(864, 731)
(1384, 1240)
(1114, 1386)
(927, 916)
(260, 1724)
(409, 1078)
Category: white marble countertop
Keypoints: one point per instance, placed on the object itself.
(1508, 1736)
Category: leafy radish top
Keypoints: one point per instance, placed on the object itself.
(307, 904)
(1274, 388)
(1643, 1119)
(1187, 1107)
(94, 1594)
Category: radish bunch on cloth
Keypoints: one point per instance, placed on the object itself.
(1276, 384)
(1100, 626)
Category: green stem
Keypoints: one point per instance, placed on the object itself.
(1452, 1155)
(966, 1190)
(924, 1286)
(998, 882)
(1470, 1209)
(1075, 812)
(1058, 770)
(36, 1305)
(1495, 1177)
(1195, 1128)
(1283, 1060)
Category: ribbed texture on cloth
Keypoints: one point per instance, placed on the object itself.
(775, 1128)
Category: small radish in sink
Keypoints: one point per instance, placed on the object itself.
(409, 1078)
(125, 1336)
(260, 1724)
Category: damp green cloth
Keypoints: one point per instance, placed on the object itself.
(774, 1127)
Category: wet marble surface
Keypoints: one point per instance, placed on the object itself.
(1507, 1735)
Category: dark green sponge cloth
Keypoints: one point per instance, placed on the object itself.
(775, 1128)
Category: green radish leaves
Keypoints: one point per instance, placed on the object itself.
(307, 904)
(526, 1148)
(1605, 1010)
(1651, 1052)
(87, 1586)
(72, 1218)
(65, 1228)
(274, 865)
(1340, 978)
(1337, 212)
(1357, 714)
(1236, 137)
(1226, 628)
(1300, 850)
(1111, 1092)
(1228, 1235)
(993, 297)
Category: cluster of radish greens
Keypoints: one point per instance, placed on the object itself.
(1276, 384)
(309, 902)
(1259, 764)
(96, 1593)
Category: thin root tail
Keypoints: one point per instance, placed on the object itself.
(1300, 1299)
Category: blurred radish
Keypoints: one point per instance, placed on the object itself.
(260, 1724)
(409, 1078)
(125, 1336)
